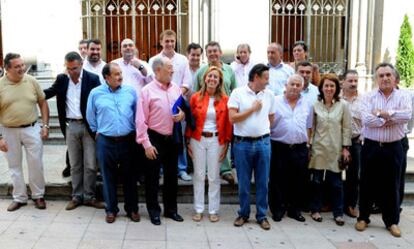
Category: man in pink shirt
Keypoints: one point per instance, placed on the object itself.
(154, 125)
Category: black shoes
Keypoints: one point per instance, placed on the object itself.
(66, 171)
(155, 220)
(278, 216)
(174, 216)
(296, 216)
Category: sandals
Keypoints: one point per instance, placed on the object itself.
(197, 217)
(213, 217)
(316, 217)
(339, 220)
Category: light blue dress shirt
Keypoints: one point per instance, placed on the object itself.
(278, 76)
(112, 113)
(311, 93)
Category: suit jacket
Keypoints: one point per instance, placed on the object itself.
(60, 88)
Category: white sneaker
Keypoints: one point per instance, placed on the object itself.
(185, 177)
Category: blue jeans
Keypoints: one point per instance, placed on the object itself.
(111, 153)
(249, 156)
(182, 156)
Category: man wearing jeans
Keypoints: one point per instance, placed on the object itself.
(251, 110)
(19, 95)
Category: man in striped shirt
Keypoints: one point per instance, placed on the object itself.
(384, 113)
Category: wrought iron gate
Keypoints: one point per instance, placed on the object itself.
(141, 20)
(322, 24)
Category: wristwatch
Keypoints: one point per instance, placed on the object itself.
(141, 67)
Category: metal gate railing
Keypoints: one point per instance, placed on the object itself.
(111, 21)
(322, 24)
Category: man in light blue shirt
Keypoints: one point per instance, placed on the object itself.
(111, 115)
(310, 92)
(279, 72)
(289, 137)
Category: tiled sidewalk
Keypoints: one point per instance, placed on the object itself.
(85, 227)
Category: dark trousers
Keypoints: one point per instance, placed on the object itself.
(351, 184)
(288, 176)
(167, 157)
(115, 159)
(380, 179)
(335, 190)
(406, 146)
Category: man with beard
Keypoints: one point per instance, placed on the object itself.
(93, 62)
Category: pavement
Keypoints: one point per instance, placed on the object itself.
(84, 227)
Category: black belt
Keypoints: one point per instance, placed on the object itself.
(23, 126)
(159, 135)
(209, 134)
(382, 144)
(250, 139)
(74, 120)
(291, 146)
(120, 138)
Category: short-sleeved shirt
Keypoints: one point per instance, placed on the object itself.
(257, 124)
(18, 101)
(278, 76)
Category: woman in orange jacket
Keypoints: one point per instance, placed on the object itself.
(209, 141)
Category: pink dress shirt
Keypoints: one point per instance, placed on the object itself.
(154, 110)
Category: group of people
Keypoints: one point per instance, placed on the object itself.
(308, 139)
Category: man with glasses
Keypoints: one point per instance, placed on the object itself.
(19, 95)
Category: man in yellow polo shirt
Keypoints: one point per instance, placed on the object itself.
(19, 94)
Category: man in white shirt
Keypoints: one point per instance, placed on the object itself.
(135, 72)
(251, 110)
(83, 48)
(93, 62)
(279, 72)
(310, 92)
(242, 64)
(181, 77)
(194, 53)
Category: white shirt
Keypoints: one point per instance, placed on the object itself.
(242, 72)
(73, 96)
(96, 70)
(210, 124)
(182, 75)
(278, 76)
(132, 76)
(311, 93)
(290, 125)
(257, 124)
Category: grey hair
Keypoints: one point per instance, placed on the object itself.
(296, 76)
(386, 64)
(277, 46)
(158, 62)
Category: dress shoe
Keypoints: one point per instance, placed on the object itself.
(174, 216)
(339, 220)
(361, 225)
(375, 209)
(15, 205)
(134, 216)
(351, 212)
(228, 177)
(74, 203)
(94, 203)
(213, 217)
(395, 231)
(197, 217)
(40, 203)
(239, 221)
(278, 216)
(66, 171)
(316, 217)
(264, 224)
(296, 216)
(110, 218)
(155, 220)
